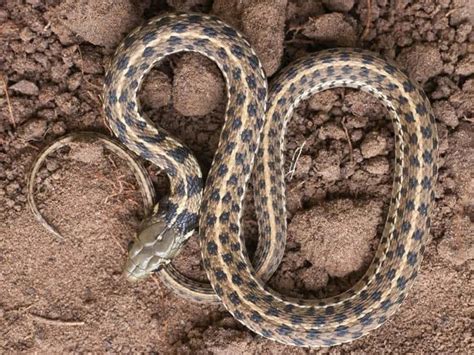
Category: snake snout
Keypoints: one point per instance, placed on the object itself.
(155, 246)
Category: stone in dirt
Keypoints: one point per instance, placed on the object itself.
(25, 87)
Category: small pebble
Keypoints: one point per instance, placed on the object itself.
(25, 87)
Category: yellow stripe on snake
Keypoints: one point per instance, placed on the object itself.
(252, 141)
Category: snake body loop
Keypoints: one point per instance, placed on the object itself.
(252, 139)
(379, 293)
(175, 218)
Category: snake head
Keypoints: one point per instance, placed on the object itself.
(154, 247)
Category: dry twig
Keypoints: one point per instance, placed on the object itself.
(10, 109)
(351, 152)
(368, 20)
(56, 322)
(294, 160)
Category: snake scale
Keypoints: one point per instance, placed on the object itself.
(252, 145)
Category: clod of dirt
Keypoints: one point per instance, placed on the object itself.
(68, 105)
(457, 248)
(327, 165)
(186, 5)
(323, 101)
(468, 86)
(331, 29)
(463, 32)
(65, 35)
(374, 144)
(156, 90)
(9, 30)
(58, 128)
(445, 87)
(421, 61)
(462, 10)
(446, 113)
(103, 22)
(377, 166)
(12, 188)
(220, 340)
(313, 278)
(33, 129)
(463, 102)
(303, 166)
(320, 118)
(230, 11)
(339, 5)
(362, 104)
(332, 131)
(356, 121)
(298, 11)
(465, 67)
(461, 153)
(264, 24)
(74, 81)
(25, 87)
(336, 236)
(198, 86)
(89, 61)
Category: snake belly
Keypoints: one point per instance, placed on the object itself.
(367, 305)
(246, 101)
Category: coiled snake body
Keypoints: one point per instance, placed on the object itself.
(252, 139)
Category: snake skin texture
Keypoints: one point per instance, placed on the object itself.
(175, 217)
(252, 140)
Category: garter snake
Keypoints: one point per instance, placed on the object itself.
(252, 141)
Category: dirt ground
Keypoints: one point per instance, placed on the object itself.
(67, 295)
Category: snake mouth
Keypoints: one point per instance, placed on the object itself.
(133, 272)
